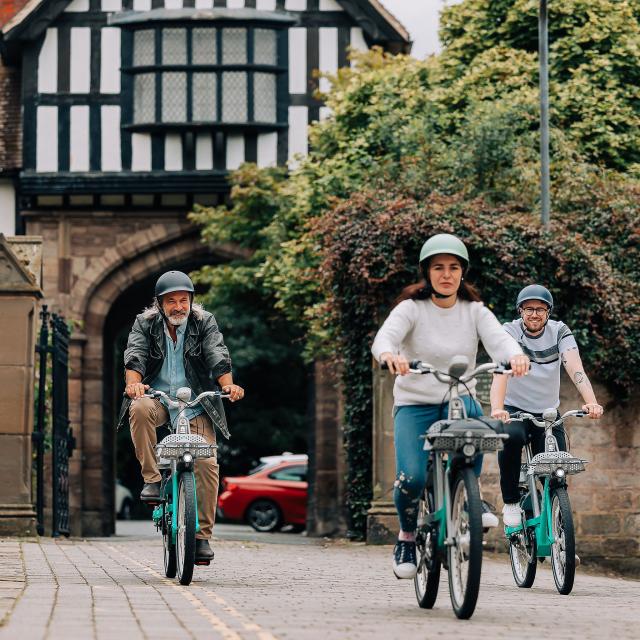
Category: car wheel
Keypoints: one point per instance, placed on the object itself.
(125, 510)
(264, 515)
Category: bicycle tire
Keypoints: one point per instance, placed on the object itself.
(563, 550)
(186, 520)
(170, 562)
(427, 578)
(524, 561)
(466, 552)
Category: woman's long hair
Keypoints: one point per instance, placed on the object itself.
(422, 290)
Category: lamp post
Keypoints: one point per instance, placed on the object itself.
(543, 54)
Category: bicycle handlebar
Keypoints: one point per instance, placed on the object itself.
(420, 367)
(523, 415)
(173, 403)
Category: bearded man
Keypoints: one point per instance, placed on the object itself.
(176, 343)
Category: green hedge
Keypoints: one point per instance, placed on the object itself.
(370, 245)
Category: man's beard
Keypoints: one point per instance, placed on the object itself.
(176, 320)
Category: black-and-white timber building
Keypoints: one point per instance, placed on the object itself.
(117, 116)
(150, 103)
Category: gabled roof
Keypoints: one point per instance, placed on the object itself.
(9, 9)
(377, 21)
(14, 276)
(27, 19)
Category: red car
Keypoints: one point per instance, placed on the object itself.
(272, 495)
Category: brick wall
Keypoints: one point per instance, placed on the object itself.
(9, 8)
(10, 118)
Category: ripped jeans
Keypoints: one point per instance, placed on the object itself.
(411, 422)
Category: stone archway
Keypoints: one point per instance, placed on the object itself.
(119, 268)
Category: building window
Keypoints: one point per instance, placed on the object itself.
(205, 75)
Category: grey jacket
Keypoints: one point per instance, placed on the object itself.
(206, 357)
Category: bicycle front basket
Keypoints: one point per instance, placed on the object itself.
(454, 437)
(174, 446)
(548, 462)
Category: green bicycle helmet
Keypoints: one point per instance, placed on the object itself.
(445, 243)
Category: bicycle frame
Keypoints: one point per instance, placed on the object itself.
(541, 508)
(177, 467)
(442, 516)
(442, 477)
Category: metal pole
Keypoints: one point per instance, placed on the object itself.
(543, 53)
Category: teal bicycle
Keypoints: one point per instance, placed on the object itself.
(547, 521)
(176, 513)
(449, 531)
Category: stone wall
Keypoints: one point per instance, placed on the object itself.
(89, 259)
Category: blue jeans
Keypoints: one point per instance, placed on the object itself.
(411, 422)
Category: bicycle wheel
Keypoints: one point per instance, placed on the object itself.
(168, 546)
(465, 554)
(563, 550)
(522, 551)
(427, 579)
(186, 519)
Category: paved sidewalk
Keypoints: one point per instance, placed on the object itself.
(114, 588)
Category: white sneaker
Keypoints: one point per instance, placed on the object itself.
(511, 514)
(404, 560)
(489, 518)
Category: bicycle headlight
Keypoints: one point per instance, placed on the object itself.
(187, 458)
(560, 473)
(469, 450)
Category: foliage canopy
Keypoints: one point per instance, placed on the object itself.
(450, 144)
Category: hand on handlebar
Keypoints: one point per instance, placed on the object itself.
(519, 365)
(398, 364)
(500, 414)
(235, 392)
(136, 390)
(593, 409)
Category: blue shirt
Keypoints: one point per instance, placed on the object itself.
(172, 375)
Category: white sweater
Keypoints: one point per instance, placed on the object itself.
(420, 330)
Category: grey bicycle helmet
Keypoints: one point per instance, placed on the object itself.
(534, 292)
(173, 281)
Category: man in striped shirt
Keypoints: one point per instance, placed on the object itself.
(547, 343)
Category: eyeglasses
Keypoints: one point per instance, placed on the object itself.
(539, 311)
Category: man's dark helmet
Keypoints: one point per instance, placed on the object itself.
(535, 292)
(173, 281)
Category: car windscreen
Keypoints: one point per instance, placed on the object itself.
(260, 467)
(291, 473)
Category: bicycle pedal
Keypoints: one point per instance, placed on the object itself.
(203, 563)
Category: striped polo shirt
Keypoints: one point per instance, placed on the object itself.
(540, 389)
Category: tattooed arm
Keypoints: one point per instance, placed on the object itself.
(573, 365)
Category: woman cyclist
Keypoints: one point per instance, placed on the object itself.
(433, 320)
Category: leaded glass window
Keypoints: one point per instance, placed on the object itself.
(234, 46)
(210, 74)
(265, 46)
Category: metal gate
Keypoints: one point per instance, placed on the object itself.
(53, 419)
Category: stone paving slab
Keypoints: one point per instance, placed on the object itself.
(115, 589)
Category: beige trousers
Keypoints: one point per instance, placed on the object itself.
(145, 415)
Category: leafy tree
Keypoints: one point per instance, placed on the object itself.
(451, 144)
